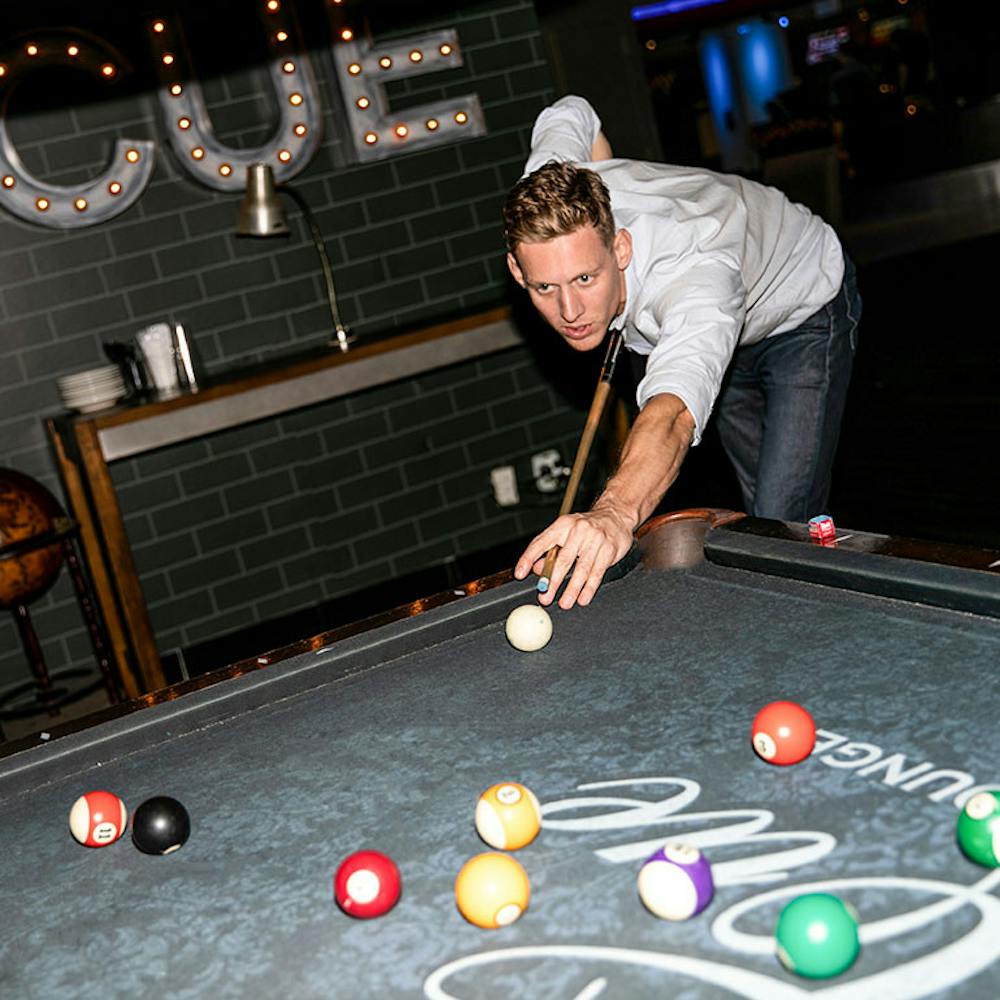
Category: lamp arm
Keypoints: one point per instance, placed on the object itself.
(319, 243)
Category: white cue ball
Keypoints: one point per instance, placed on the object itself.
(528, 627)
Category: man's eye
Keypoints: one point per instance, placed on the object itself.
(586, 279)
(542, 288)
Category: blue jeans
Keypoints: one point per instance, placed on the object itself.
(780, 407)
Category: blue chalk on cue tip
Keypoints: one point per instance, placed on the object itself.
(543, 584)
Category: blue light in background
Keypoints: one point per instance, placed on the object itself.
(648, 10)
(743, 29)
(763, 67)
(783, 21)
(718, 79)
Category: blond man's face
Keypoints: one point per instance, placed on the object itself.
(575, 281)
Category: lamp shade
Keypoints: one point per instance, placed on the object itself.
(261, 212)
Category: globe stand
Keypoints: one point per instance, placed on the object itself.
(44, 696)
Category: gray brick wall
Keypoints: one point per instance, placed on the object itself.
(248, 524)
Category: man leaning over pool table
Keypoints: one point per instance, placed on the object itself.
(730, 296)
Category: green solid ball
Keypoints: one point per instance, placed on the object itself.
(979, 829)
(817, 936)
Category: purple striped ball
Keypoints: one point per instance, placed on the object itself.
(676, 883)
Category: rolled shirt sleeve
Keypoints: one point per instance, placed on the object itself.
(693, 318)
(564, 131)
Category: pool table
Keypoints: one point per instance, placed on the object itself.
(632, 726)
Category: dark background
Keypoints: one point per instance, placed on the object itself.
(267, 532)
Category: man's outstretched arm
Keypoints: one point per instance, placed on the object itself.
(650, 461)
(601, 149)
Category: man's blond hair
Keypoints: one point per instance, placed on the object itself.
(556, 200)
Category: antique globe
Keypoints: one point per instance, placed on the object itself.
(27, 510)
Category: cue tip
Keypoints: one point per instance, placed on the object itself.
(543, 584)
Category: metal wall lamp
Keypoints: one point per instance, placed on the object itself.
(262, 214)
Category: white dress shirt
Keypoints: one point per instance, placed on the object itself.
(718, 261)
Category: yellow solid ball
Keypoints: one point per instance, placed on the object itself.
(528, 627)
(492, 890)
(508, 816)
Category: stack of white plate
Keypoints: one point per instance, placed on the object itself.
(93, 389)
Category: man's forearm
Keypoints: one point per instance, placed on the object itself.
(650, 460)
(601, 149)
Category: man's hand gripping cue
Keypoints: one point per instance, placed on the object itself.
(592, 542)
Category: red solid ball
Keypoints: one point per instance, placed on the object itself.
(367, 884)
(783, 733)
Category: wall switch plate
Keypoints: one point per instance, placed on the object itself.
(504, 485)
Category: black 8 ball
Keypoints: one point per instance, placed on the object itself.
(160, 825)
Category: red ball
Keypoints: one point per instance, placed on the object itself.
(98, 819)
(783, 733)
(367, 884)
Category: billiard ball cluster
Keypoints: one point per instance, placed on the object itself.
(817, 934)
(491, 890)
(160, 825)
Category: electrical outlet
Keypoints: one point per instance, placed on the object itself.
(546, 467)
(505, 485)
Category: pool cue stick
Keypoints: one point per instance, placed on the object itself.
(601, 394)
